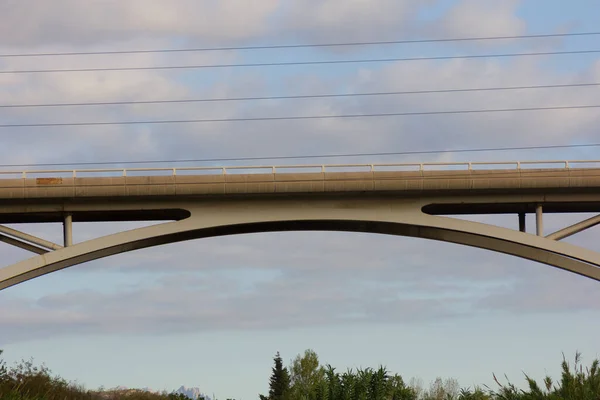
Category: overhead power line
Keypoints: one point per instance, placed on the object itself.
(301, 45)
(315, 96)
(290, 63)
(289, 118)
(308, 156)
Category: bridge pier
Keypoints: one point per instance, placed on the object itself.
(522, 227)
(68, 230)
(539, 220)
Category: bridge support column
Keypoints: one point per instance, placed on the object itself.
(68, 230)
(522, 227)
(539, 220)
(576, 228)
(22, 245)
(27, 239)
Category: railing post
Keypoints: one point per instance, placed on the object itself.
(273, 170)
(323, 168)
(124, 172)
(74, 173)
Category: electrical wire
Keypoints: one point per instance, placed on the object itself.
(289, 118)
(295, 46)
(310, 156)
(316, 96)
(297, 63)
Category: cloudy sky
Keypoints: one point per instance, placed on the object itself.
(211, 313)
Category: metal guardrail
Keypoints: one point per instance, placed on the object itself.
(437, 166)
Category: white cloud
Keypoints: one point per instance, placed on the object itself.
(480, 18)
(546, 295)
(99, 24)
(72, 22)
(352, 20)
(207, 302)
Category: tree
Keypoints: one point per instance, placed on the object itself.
(442, 390)
(178, 396)
(576, 383)
(306, 376)
(3, 370)
(279, 384)
(334, 384)
(398, 390)
(477, 394)
(416, 384)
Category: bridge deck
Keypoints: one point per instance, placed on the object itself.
(153, 197)
(399, 182)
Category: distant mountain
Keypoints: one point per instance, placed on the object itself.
(192, 393)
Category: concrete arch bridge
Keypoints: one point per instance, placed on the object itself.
(416, 200)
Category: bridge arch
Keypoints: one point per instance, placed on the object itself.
(368, 215)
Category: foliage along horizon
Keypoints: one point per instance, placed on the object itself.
(307, 379)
